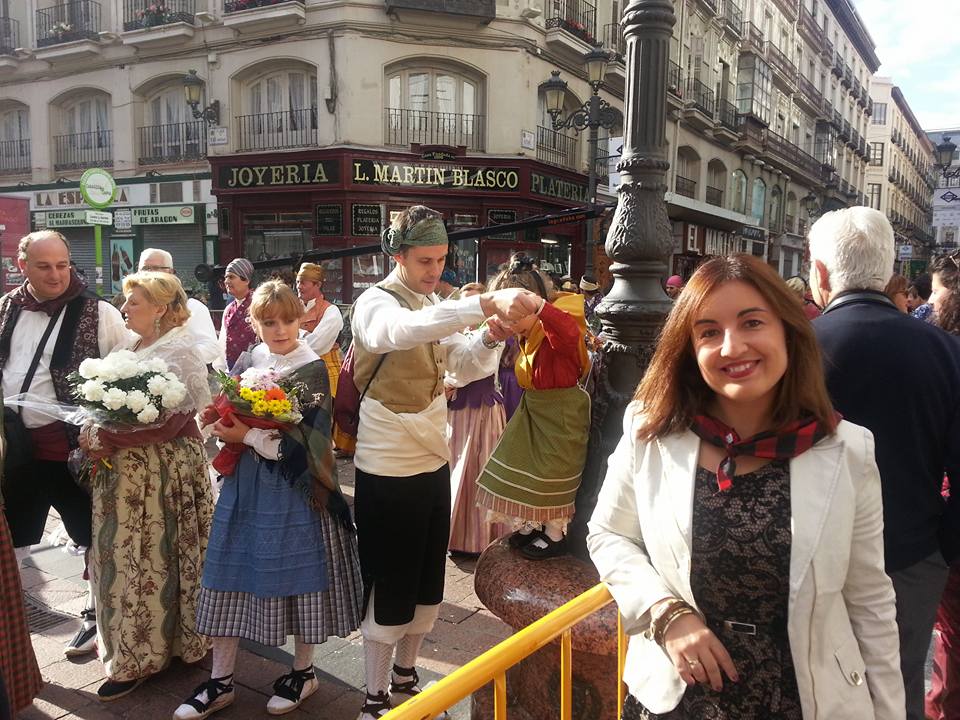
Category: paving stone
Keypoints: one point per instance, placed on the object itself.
(31, 577)
(74, 674)
(55, 701)
(49, 650)
(453, 613)
(488, 624)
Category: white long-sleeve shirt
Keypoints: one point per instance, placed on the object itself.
(200, 325)
(325, 334)
(403, 444)
(31, 324)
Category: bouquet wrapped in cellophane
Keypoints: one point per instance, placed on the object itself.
(260, 398)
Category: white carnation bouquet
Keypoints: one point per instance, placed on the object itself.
(121, 389)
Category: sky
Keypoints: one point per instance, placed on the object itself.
(917, 43)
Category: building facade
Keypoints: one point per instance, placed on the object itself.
(900, 174)
(946, 197)
(319, 119)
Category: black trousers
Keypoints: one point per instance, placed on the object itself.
(403, 527)
(31, 492)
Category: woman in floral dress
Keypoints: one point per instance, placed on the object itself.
(152, 505)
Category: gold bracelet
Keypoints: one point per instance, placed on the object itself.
(665, 609)
(678, 613)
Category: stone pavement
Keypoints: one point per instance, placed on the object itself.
(53, 578)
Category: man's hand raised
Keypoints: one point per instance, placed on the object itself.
(511, 304)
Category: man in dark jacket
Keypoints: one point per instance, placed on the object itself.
(871, 351)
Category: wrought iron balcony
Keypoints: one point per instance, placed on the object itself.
(277, 130)
(710, 5)
(847, 78)
(780, 62)
(485, 9)
(557, 148)
(230, 6)
(404, 127)
(140, 14)
(855, 90)
(752, 38)
(68, 22)
(868, 110)
(714, 196)
(837, 67)
(173, 143)
(808, 27)
(701, 96)
(14, 157)
(614, 41)
(837, 119)
(577, 17)
(787, 151)
(9, 35)
(845, 131)
(788, 7)
(826, 51)
(675, 79)
(685, 186)
(83, 150)
(810, 91)
(732, 17)
(727, 115)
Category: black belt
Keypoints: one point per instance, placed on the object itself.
(745, 628)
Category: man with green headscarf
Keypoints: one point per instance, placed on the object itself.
(405, 340)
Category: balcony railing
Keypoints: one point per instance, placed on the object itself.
(827, 51)
(68, 22)
(686, 187)
(733, 16)
(14, 157)
(176, 142)
(434, 128)
(837, 119)
(855, 90)
(752, 37)
(700, 95)
(140, 14)
(727, 115)
(837, 67)
(781, 62)
(845, 131)
(810, 91)
(83, 150)
(808, 27)
(230, 6)
(277, 130)
(9, 35)
(786, 150)
(577, 17)
(674, 79)
(557, 148)
(714, 196)
(847, 78)
(614, 42)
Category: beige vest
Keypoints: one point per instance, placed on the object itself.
(409, 380)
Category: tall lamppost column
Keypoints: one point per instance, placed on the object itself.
(639, 243)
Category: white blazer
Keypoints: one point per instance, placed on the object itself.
(842, 612)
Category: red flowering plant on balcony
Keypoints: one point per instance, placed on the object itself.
(577, 28)
(156, 14)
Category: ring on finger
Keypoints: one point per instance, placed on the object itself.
(692, 663)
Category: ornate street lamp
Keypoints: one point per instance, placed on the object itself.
(193, 93)
(594, 114)
(945, 151)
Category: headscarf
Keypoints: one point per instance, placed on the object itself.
(429, 231)
(242, 268)
(588, 285)
(25, 299)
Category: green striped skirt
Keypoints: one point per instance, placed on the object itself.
(535, 470)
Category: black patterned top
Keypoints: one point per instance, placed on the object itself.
(741, 572)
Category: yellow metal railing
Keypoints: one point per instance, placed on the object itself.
(492, 665)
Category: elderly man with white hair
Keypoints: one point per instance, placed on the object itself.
(200, 324)
(869, 347)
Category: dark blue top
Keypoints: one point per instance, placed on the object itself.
(900, 379)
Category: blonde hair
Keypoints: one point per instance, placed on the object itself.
(311, 272)
(275, 299)
(27, 240)
(161, 289)
(477, 287)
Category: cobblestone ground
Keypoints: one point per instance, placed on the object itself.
(53, 578)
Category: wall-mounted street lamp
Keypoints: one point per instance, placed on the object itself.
(193, 92)
(592, 115)
(811, 204)
(945, 151)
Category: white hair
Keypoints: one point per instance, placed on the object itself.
(167, 257)
(856, 246)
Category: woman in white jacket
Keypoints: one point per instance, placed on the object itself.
(740, 524)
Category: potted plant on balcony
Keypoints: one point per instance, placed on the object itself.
(60, 31)
(155, 14)
(579, 29)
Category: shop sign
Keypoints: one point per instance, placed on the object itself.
(444, 155)
(164, 215)
(905, 252)
(314, 172)
(122, 221)
(60, 219)
(65, 198)
(365, 220)
(329, 220)
(415, 175)
(555, 187)
(496, 216)
(98, 217)
(753, 233)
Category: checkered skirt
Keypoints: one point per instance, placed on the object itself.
(18, 665)
(312, 617)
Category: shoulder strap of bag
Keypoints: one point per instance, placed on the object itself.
(35, 363)
(384, 356)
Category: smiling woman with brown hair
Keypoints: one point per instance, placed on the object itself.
(709, 528)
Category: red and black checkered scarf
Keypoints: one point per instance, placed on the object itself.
(794, 439)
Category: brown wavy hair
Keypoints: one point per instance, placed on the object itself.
(673, 390)
(947, 269)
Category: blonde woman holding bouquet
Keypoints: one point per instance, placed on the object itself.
(282, 558)
(151, 494)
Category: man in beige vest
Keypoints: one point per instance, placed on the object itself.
(405, 339)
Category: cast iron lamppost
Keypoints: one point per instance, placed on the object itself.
(193, 91)
(945, 152)
(594, 114)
